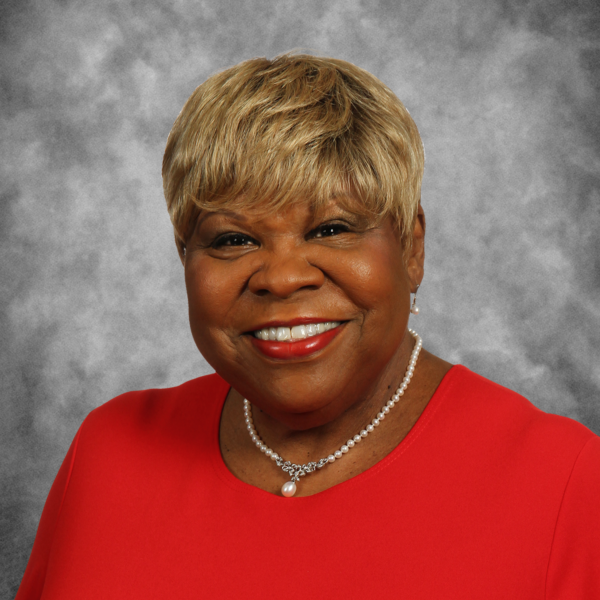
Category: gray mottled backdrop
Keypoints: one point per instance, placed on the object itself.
(506, 94)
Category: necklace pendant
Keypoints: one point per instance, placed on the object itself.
(294, 471)
(288, 489)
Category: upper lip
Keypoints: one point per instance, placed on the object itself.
(292, 322)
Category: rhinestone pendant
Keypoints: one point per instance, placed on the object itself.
(288, 489)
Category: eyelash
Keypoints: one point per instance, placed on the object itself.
(228, 239)
(322, 231)
(340, 227)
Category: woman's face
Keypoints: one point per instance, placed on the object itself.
(246, 272)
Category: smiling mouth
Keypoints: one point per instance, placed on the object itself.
(298, 341)
(296, 333)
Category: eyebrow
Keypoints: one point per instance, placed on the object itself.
(224, 213)
(319, 213)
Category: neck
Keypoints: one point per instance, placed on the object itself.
(248, 464)
(290, 438)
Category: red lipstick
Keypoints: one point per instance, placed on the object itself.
(298, 348)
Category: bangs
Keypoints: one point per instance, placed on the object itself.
(267, 134)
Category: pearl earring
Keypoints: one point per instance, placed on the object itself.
(414, 309)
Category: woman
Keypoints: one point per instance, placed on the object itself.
(329, 456)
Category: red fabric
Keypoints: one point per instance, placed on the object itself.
(487, 497)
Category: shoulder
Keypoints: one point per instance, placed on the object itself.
(145, 412)
(543, 470)
(502, 415)
(161, 400)
(575, 556)
(526, 456)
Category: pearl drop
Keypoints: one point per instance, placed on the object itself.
(288, 489)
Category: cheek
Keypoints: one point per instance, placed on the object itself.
(378, 280)
(211, 296)
(379, 288)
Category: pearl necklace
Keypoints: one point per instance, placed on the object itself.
(288, 489)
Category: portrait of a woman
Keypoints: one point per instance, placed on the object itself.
(330, 455)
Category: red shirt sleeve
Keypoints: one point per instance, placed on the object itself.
(574, 566)
(32, 584)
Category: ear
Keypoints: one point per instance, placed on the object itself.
(416, 256)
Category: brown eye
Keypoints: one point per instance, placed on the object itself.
(329, 230)
(233, 239)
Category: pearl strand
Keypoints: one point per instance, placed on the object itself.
(288, 489)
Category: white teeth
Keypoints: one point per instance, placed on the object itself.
(299, 332)
(283, 334)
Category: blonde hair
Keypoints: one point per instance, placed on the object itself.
(266, 133)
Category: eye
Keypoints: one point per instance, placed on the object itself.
(233, 239)
(329, 230)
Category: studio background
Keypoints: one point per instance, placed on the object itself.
(505, 94)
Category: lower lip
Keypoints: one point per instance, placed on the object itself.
(297, 349)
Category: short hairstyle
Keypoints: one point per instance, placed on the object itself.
(266, 133)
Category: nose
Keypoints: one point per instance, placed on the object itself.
(282, 276)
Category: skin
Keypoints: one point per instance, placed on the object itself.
(243, 270)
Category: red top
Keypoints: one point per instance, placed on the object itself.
(487, 497)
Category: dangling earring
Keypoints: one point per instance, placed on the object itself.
(414, 309)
